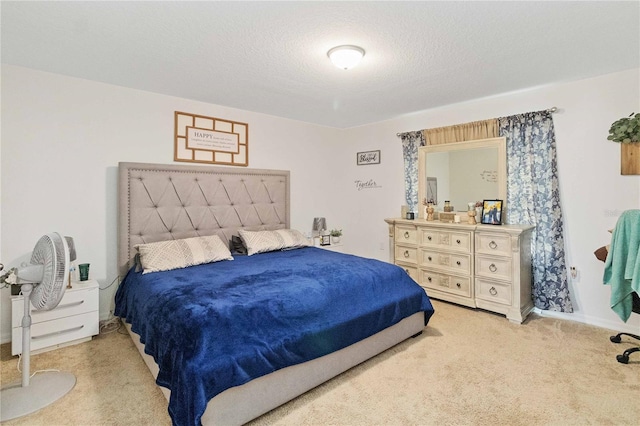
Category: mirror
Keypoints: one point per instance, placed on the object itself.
(463, 172)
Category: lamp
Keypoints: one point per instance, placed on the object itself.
(319, 225)
(72, 257)
(346, 57)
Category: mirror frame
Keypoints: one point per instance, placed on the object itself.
(499, 143)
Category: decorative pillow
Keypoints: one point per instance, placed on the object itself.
(174, 254)
(237, 246)
(263, 241)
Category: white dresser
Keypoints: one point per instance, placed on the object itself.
(483, 266)
(74, 320)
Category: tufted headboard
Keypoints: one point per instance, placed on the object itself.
(160, 202)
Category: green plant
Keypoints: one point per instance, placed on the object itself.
(626, 130)
(336, 232)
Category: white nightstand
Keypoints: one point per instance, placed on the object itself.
(334, 247)
(74, 320)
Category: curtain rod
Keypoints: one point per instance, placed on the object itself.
(550, 110)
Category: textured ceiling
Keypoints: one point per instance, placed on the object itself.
(270, 57)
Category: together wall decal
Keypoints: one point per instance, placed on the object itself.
(368, 184)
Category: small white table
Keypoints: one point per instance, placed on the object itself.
(74, 320)
(339, 247)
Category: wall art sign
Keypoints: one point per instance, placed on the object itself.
(368, 157)
(366, 184)
(202, 139)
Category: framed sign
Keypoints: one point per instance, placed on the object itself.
(368, 157)
(491, 212)
(202, 139)
(325, 240)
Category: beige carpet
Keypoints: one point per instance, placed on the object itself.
(467, 368)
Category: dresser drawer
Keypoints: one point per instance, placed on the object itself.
(448, 240)
(406, 234)
(452, 262)
(494, 267)
(444, 282)
(493, 244)
(493, 291)
(411, 270)
(57, 331)
(407, 254)
(73, 303)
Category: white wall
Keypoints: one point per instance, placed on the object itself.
(62, 139)
(593, 193)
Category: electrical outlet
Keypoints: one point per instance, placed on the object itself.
(575, 274)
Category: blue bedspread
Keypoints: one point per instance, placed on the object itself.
(211, 327)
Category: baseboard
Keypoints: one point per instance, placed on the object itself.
(584, 319)
(5, 337)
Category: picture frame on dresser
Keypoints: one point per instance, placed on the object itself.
(325, 240)
(491, 212)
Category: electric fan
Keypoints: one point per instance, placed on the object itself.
(43, 283)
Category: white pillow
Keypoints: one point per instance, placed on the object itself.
(263, 241)
(174, 254)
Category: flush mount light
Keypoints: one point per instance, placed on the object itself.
(346, 57)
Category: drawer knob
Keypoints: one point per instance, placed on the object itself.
(493, 291)
(406, 253)
(458, 285)
(493, 245)
(429, 279)
(406, 234)
(429, 258)
(458, 241)
(406, 270)
(458, 263)
(429, 238)
(493, 267)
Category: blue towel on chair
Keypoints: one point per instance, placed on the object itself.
(622, 267)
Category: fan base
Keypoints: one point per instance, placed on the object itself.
(44, 389)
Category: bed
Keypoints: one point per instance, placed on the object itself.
(271, 309)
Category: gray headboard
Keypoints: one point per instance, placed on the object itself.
(161, 202)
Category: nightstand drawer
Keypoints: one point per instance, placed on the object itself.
(75, 319)
(493, 291)
(57, 331)
(407, 254)
(493, 267)
(73, 302)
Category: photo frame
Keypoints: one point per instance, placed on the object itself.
(491, 212)
(325, 240)
(368, 157)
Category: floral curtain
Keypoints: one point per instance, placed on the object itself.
(411, 141)
(533, 198)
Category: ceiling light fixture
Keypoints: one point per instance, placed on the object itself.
(346, 57)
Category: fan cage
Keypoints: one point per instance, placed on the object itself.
(52, 253)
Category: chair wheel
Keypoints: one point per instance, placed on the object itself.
(616, 339)
(623, 359)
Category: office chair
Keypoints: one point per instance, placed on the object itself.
(622, 273)
(624, 358)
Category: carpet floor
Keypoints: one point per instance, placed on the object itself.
(469, 367)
